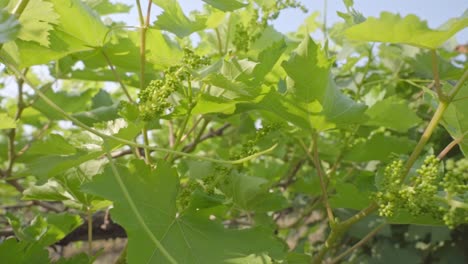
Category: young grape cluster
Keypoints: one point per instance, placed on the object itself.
(391, 186)
(250, 147)
(245, 35)
(455, 185)
(427, 193)
(153, 100)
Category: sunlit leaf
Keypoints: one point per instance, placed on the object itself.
(174, 20)
(407, 30)
(37, 21)
(6, 122)
(225, 5)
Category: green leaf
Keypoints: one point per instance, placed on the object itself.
(37, 21)
(393, 113)
(189, 238)
(405, 217)
(23, 54)
(105, 7)
(9, 26)
(20, 252)
(97, 115)
(344, 191)
(57, 164)
(252, 193)
(379, 147)
(267, 59)
(422, 65)
(102, 98)
(174, 20)
(6, 122)
(70, 102)
(225, 5)
(75, 16)
(408, 30)
(45, 231)
(50, 191)
(81, 258)
(309, 69)
(55, 144)
(455, 119)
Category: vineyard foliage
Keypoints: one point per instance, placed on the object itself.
(211, 137)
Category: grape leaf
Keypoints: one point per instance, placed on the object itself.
(189, 238)
(9, 26)
(50, 191)
(97, 115)
(23, 54)
(55, 144)
(56, 164)
(252, 193)
(45, 231)
(75, 16)
(67, 101)
(81, 258)
(312, 85)
(379, 147)
(6, 122)
(174, 20)
(19, 252)
(37, 20)
(344, 191)
(105, 7)
(393, 113)
(408, 30)
(225, 5)
(455, 119)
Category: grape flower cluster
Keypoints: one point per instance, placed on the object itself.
(427, 193)
(153, 100)
(245, 35)
(250, 147)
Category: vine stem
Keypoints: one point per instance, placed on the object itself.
(144, 23)
(435, 72)
(90, 230)
(342, 227)
(450, 146)
(180, 135)
(316, 160)
(135, 210)
(358, 244)
(443, 104)
(117, 77)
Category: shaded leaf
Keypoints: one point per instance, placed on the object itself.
(9, 26)
(312, 85)
(393, 113)
(45, 231)
(55, 144)
(361, 198)
(455, 119)
(189, 238)
(379, 147)
(20, 252)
